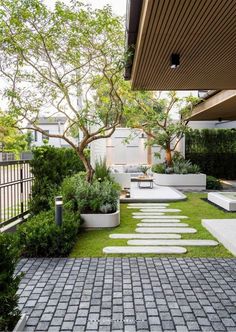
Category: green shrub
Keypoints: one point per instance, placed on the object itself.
(180, 166)
(50, 166)
(9, 312)
(144, 169)
(159, 168)
(213, 183)
(41, 237)
(101, 171)
(213, 150)
(95, 197)
(185, 167)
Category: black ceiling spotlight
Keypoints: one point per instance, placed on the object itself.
(174, 60)
(219, 119)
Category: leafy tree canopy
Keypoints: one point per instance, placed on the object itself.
(66, 62)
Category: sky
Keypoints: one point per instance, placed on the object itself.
(118, 6)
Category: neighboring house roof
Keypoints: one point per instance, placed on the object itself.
(219, 106)
(50, 121)
(202, 33)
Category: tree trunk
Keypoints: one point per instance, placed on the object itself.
(87, 165)
(149, 151)
(168, 156)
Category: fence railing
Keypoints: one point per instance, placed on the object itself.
(15, 190)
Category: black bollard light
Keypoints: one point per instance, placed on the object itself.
(58, 210)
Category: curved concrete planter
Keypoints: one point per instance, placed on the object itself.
(100, 220)
(20, 326)
(195, 182)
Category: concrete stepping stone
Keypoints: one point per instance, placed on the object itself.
(144, 250)
(160, 216)
(147, 214)
(160, 220)
(181, 242)
(153, 224)
(159, 210)
(135, 205)
(144, 236)
(167, 230)
(147, 207)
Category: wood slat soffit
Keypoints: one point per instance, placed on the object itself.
(202, 32)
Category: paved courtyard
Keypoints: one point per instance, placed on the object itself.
(129, 294)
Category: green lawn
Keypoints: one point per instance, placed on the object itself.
(90, 243)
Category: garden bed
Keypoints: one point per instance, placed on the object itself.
(195, 182)
(100, 220)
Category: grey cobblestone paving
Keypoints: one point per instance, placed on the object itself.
(128, 294)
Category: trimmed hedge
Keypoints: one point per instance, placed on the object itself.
(50, 166)
(213, 150)
(9, 253)
(41, 237)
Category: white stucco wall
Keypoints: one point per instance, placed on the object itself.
(118, 152)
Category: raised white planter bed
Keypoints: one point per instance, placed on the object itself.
(20, 326)
(181, 181)
(101, 220)
(225, 200)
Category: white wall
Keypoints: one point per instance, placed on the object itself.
(118, 152)
(53, 129)
(97, 151)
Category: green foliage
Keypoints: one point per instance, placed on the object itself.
(214, 150)
(12, 139)
(101, 171)
(41, 237)
(68, 51)
(144, 169)
(9, 313)
(154, 115)
(95, 197)
(185, 167)
(179, 166)
(159, 168)
(213, 183)
(50, 166)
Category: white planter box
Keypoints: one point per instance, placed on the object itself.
(181, 181)
(100, 220)
(225, 200)
(20, 326)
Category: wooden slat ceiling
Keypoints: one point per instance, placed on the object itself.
(221, 105)
(203, 32)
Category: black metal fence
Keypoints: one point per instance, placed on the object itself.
(15, 190)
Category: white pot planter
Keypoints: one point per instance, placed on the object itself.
(195, 182)
(20, 326)
(100, 220)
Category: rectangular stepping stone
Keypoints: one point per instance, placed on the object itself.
(147, 214)
(159, 210)
(135, 205)
(165, 230)
(160, 220)
(181, 242)
(144, 236)
(144, 250)
(147, 207)
(153, 224)
(160, 216)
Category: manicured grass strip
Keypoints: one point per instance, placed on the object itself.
(91, 243)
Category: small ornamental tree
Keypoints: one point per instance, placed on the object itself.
(63, 62)
(12, 139)
(154, 115)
